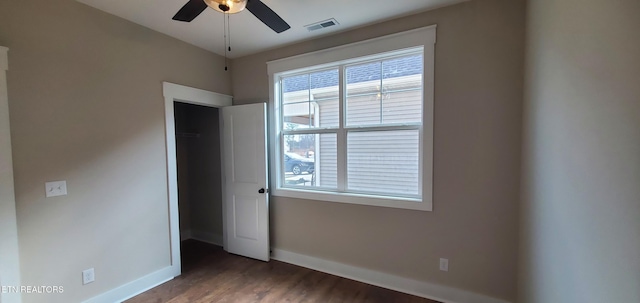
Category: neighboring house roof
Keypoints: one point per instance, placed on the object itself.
(399, 67)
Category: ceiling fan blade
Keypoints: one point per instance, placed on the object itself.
(267, 16)
(190, 11)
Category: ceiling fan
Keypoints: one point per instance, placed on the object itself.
(193, 8)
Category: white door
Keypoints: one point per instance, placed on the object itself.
(246, 200)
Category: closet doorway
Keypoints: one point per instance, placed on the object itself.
(198, 159)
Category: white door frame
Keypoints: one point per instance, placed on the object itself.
(180, 93)
(9, 254)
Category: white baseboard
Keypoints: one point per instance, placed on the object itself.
(202, 236)
(135, 288)
(431, 291)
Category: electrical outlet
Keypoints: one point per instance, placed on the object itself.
(88, 276)
(444, 264)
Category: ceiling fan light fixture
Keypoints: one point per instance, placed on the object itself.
(227, 6)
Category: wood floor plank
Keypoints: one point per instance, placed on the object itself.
(212, 275)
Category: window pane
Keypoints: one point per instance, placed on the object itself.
(363, 103)
(297, 115)
(402, 90)
(295, 84)
(311, 100)
(363, 73)
(324, 95)
(296, 108)
(327, 159)
(310, 160)
(329, 112)
(402, 107)
(401, 67)
(384, 162)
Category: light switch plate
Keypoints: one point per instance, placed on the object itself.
(55, 188)
(88, 276)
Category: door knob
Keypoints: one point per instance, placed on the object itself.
(261, 191)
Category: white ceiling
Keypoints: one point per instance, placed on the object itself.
(248, 34)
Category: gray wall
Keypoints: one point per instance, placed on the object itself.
(478, 104)
(199, 184)
(581, 177)
(86, 106)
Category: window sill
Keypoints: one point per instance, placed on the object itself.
(360, 199)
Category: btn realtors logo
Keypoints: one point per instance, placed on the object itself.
(30, 289)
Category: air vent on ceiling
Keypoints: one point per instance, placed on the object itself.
(321, 24)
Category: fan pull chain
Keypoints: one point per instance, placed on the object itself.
(224, 21)
(229, 31)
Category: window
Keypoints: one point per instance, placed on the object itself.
(357, 129)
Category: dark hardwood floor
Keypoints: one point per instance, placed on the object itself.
(212, 275)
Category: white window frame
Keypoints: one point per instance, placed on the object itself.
(372, 49)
